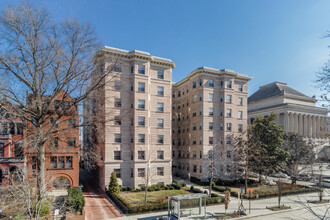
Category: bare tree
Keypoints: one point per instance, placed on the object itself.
(39, 60)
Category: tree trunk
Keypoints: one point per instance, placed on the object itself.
(41, 172)
(260, 178)
(246, 177)
(211, 181)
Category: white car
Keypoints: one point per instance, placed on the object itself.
(282, 175)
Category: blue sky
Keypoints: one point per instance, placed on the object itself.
(278, 40)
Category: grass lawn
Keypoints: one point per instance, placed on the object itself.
(258, 188)
(137, 198)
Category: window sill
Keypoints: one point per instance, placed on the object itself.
(159, 111)
(60, 168)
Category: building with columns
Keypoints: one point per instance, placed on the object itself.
(295, 111)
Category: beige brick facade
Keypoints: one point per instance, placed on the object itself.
(209, 110)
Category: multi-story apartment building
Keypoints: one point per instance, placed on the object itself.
(133, 136)
(11, 144)
(209, 110)
(61, 149)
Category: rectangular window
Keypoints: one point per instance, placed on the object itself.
(200, 97)
(118, 173)
(132, 173)
(194, 98)
(221, 112)
(194, 154)
(211, 83)
(160, 123)
(141, 69)
(228, 112)
(141, 104)
(194, 127)
(200, 82)
(160, 107)
(228, 169)
(72, 123)
(19, 150)
(53, 162)
(229, 84)
(210, 140)
(141, 172)
(160, 139)
(60, 162)
(210, 125)
(194, 113)
(117, 155)
(221, 84)
(132, 86)
(11, 128)
(228, 99)
(240, 127)
(210, 111)
(117, 120)
(200, 125)
(117, 67)
(141, 87)
(141, 121)
(221, 98)
(240, 115)
(117, 85)
(211, 97)
(194, 141)
(160, 74)
(160, 155)
(228, 126)
(240, 87)
(240, 101)
(194, 84)
(221, 126)
(200, 111)
(160, 91)
(71, 142)
(118, 103)
(2, 150)
(132, 69)
(194, 168)
(141, 155)
(68, 162)
(141, 138)
(228, 140)
(228, 155)
(117, 138)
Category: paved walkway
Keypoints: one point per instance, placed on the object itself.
(97, 206)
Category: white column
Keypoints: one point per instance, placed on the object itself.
(305, 126)
(309, 126)
(314, 126)
(292, 122)
(286, 121)
(318, 127)
(296, 123)
(301, 124)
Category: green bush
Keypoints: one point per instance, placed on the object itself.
(205, 192)
(113, 184)
(214, 195)
(183, 184)
(44, 210)
(76, 199)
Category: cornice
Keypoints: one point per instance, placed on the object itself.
(215, 72)
(134, 54)
(311, 109)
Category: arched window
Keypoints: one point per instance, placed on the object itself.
(61, 182)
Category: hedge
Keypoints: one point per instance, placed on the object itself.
(127, 208)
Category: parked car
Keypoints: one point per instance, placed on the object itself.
(281, 175)
(304, 177)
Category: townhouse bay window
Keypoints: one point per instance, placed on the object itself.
(118, 172)
(160, 155)
(160, 107)
(141, 121)
(141, 172)
(117, 103)
(117, 155)
(160, 74)
(141, 69)
(160, 91)
(141, 155)
(117, 138)
(141, 87)
(160, 139)
(228, 99)
(141, 104)
(141, 138)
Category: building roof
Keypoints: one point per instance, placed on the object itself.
(276, 89)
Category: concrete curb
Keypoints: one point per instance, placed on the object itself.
(121, 211)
